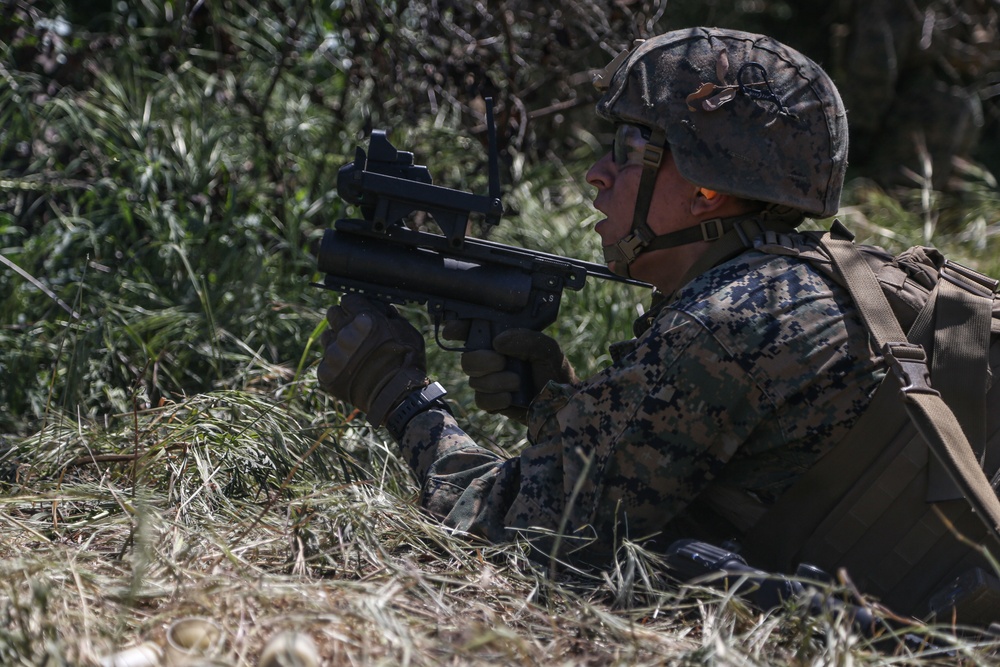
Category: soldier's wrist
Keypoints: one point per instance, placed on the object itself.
(417, 401)
(392, 392)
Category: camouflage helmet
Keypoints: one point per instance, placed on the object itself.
(742, 114)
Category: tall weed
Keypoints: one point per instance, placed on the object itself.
(167, 451)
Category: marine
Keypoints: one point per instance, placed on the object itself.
(751, 365)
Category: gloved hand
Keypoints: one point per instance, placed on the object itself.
(372, 356)
(487, 369)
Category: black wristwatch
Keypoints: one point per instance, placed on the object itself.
(424, 398)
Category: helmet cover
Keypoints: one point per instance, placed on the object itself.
(743, 114)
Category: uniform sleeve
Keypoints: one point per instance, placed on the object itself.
(619, 455)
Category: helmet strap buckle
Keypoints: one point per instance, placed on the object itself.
(628, 248)
(652, 156)
(712, 229)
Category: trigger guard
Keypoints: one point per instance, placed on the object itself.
(479, 332)
(441, 344)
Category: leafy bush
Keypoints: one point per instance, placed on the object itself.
(166, 170)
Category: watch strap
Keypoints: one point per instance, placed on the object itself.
(415, 402)
(398, 384)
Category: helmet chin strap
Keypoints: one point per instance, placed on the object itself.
(624, 251)
(641, 237)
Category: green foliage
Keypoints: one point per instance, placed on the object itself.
(168, 183)
(172, 200)
(166, 170)
(964, 224)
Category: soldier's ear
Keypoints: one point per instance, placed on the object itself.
(706, 201)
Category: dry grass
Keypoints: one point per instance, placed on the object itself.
(247, 513)
(169, 191)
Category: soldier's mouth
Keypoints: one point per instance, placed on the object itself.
(601, 228)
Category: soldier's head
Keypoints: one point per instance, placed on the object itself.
(749, 124)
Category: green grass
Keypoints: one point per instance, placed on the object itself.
(167, 452)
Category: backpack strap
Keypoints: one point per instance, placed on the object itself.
(777, 538)
(960, 367)
(930, 414)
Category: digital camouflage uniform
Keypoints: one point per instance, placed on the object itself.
(756, 369)
(737, 385)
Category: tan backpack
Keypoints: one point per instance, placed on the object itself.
(917, 530)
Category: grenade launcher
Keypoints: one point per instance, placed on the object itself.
(493, 286)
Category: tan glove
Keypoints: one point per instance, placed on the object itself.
(494, 384)
(372, 356)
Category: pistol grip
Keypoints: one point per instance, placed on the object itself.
(481, 335)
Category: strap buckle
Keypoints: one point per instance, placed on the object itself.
(652, 156)
(712, 230)
(628, 248)
(908, 362)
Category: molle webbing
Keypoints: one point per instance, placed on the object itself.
(866, 505)
(967, 341)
